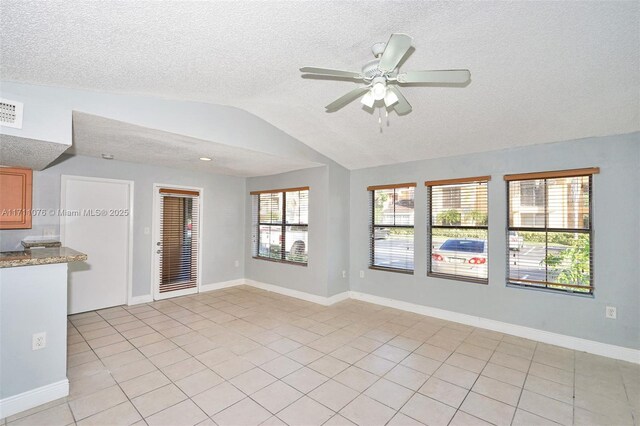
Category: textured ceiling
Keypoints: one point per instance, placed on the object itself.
(30, 153)
(94, 136)
(540, 71)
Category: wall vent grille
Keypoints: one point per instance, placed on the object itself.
(11, 113)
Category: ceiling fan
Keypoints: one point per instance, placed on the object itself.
(381, 77)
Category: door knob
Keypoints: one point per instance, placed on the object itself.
(158, 243)
(158, 251)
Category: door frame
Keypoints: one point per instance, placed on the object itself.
(130, 184)
(155, 237)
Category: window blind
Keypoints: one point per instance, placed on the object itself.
(457, 243)
(179, 222)
(391, 230)
(550, 230)
(280, 225)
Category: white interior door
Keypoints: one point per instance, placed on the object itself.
(98, 222)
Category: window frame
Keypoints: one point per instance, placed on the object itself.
(545, 285)
(430, 226)
(283, 225)
(372, 227)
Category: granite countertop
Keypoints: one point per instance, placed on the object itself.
(32, 243)
(40, 256)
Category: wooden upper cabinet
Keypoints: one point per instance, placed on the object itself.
(15, 198)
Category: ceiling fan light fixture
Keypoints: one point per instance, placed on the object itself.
(379, 89)
(368, 99)
(390, 98)
(381, 75)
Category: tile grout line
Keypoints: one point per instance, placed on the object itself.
(526, 377)
(468, 390)
(118, 383)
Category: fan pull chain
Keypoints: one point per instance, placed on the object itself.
(380, 118)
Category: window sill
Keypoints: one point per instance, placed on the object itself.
(401, 271)
(458, 278)
(287, 262)
(550, 290)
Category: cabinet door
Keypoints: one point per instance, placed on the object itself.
(15, 198)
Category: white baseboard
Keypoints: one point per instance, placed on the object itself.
(148, 298)
(221, 285)
(338, 297)
(137, 300)
(570, 342)
(38, 396)
(314, 298)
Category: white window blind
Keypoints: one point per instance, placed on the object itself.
(391, 227)
(550, 230)
(458, 229)
(179, 221)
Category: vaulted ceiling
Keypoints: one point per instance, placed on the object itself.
(540, 71)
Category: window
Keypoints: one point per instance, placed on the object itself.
(458, 227)
(451, 197)
(533, 219)
(280, 225)
(531, 193)
(391, 227)
(550, 244)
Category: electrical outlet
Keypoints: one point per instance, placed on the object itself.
(344, 274)
(38, 341)
(611, 312)
(237, 263)
(361, 274)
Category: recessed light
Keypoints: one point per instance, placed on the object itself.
(107, 156)
(205, 158)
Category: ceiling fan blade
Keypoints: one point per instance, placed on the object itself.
(328, 71)
(435, 76)
(397, 47)
(345, 99)
(402, 107)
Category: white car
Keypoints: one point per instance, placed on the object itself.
(380, 233)
(461, 256)
(516, 242)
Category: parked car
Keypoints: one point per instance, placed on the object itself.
(516, 241)
(461, 256)
(380, 233)
(298, 251)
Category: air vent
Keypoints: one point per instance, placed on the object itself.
(10, 113)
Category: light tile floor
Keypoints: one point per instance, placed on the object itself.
(243, 356)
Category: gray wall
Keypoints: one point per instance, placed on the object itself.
(328, 232)
(313, 277)
(338, 230)
(223, 220)
(338, 233)
(33, 299)
(616, 203)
